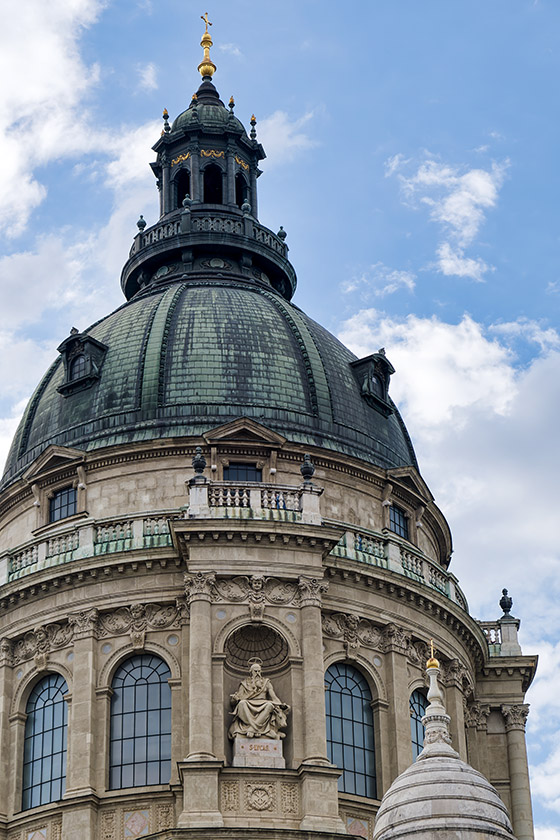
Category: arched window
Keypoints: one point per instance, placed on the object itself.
(350, 729)
(183, 182)
(140, 723)
(240, 189)
(418, 706)
(213, 193)
(44, 752)
(78, 367)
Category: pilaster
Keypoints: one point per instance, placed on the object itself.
(6, 682)
(396, 643)
(515, 718)
(80, 778)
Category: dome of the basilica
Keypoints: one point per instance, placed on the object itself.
(191, 355)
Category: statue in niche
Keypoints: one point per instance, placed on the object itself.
(258, 712)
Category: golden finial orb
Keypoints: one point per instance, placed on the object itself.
(206, 66)
(432, 661)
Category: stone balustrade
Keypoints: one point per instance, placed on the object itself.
(202, 221)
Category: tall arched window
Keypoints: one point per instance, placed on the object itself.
(240, 189)
(350, 729)
(418, 706)
(140, 723)
(183, 184)
(213, 189)
(44, 753)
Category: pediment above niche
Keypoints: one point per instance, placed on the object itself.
(244, 430)
(52, 458)
(411, 479)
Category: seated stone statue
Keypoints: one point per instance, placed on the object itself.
(258, 712)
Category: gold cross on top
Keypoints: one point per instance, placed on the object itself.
(204, 17)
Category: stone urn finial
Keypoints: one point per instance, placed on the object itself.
(199, 461)
(506, 602)
(307, 469)
(141, 223)
(282, 234)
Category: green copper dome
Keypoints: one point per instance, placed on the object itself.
(195, 354)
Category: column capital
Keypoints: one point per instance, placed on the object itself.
(476, 715)
(515, 716)
(201, 586)
(396, 639)
(311, 591)
(6, 652)
(84, 623)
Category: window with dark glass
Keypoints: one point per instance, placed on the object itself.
(183, 183)
(78, 367)
(418, 706)
(44, 751)
(240, 189)
(398, 521)
(350, 743)
(140, 748)
(62, 504)
(213, 184)
(242, 472)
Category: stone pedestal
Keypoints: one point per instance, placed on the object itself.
(257, 752)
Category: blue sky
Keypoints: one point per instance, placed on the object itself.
(412, 158)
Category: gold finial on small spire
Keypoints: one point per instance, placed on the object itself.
(206, 66)
(432, 661)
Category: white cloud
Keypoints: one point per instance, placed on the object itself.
(284, 138)
(231, 49)
(380, 281)
(458, 201)
(147, 77)
(546, 832)
(38, 47)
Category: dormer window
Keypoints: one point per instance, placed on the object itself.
(83, 357)
(373, 374)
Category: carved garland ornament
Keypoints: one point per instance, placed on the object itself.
(353, 631)
(180, 159)
(135, 620)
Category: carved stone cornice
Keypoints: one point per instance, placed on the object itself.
(311, 591)
(200, 586)
(476, 715)
(396, 639)
(353, 631)
(515, 716)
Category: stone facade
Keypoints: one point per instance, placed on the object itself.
(163, 558)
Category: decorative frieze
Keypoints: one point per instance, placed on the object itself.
(136, 620)
(515, 716)
(257, 591)
(38, 643)
(289, 798)
(230, 797)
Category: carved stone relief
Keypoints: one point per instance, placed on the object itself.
(260, 797)
(38, 643)
(515, 716)
(230, 796)
(353, 631)
(289, 798)
(108, 825)
(476, 715)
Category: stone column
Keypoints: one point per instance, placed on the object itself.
(6, 767)
(230, 174)
(521, 811)
(166, 182)
(196, 181)
(476, 716)
(454, 702)
(396, 645)
(199, 588)
(319, 793)
(314, 715)
(200, 770)
(253, 186)
(82, 754)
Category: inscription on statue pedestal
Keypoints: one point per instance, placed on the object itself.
(257, 752)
